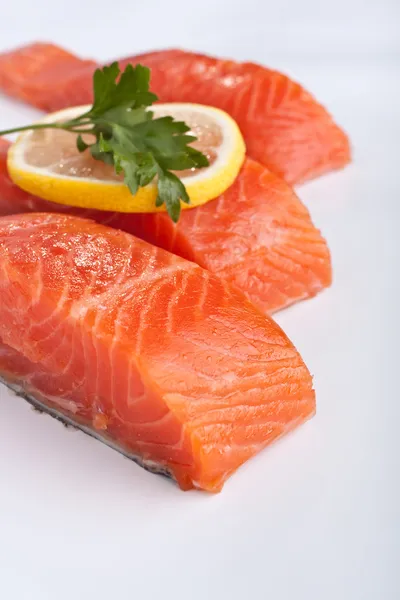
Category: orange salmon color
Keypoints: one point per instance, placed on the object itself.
(284, 127)
(258, 236)
(146, 350)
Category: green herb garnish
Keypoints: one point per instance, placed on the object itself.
(127, 136)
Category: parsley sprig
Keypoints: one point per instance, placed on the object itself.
(126, 135)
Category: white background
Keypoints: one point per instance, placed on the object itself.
(316, 517)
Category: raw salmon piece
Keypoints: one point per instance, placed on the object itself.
(149, 351)
(285, 128)
(258, 235)
(33, 72)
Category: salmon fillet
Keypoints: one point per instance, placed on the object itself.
(257, 236)
(285, 128)
(33, 72)
(147, 350)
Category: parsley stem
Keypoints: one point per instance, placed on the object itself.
(77, 121)
(37, 126)
(77, 130)
(71, 126)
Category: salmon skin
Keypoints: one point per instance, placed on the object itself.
(71, 423)
(258, 236)
(285, 128)
(144, 349)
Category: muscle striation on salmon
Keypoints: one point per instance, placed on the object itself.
(258, 236)
(144, 349)
(285, 128)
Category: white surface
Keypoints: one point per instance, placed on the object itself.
(316, 517)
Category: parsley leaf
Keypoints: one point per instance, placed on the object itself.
(125, 134)
(144, 149)
(131, 91)
(171, 191)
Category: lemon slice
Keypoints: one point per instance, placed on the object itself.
(47, 163)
